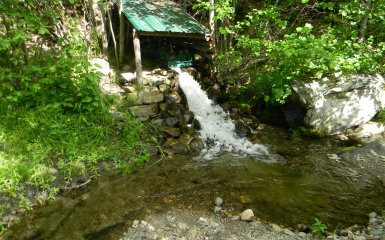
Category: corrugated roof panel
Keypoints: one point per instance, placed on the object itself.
(160, 16)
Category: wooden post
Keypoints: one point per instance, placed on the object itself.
(138, 57)
(121, 33)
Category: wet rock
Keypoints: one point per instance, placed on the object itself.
(176, 146)
(196, 144)
(172, 121)
(247, 215)
(171, 131)
(218, 201)
(188, 117)
(196, 125)
(241, 129)
(173, 97)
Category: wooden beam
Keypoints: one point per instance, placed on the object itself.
(173, 34)
(138, 56)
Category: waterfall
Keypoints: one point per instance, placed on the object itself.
(216, 125)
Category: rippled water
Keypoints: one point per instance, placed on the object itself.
(306, 184)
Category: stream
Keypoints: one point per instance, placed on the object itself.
(287, 180)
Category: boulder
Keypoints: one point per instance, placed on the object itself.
(337, 103)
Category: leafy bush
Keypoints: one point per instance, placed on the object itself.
(273, 46)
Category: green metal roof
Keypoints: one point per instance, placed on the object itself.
(161, 17)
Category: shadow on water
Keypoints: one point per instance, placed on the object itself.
(306, 184)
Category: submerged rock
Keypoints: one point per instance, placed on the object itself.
(335, 104)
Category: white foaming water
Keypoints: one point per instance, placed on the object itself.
(216, 125)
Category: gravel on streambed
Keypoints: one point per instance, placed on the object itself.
(185, 224)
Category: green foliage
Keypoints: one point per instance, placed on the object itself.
(274, 46)
(318, 228)
(55, 122)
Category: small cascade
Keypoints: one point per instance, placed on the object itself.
(216, 125)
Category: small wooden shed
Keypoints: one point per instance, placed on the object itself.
(161, 18)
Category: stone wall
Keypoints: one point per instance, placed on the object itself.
(160, 102)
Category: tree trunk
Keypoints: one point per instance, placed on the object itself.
(103, 29)
(121, 33)
(212, 23)
(364, 21)
(138, 57)
(113, 38)
(25, 51)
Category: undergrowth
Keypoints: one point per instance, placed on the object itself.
(55, 125)
(39, 147)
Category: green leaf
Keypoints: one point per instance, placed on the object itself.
(4, 44)
(43, 31)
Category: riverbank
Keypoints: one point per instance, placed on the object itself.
(186, 224)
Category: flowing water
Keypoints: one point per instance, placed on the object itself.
(216, 126)
(307, 181)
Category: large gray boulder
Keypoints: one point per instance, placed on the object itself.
(337, 103)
